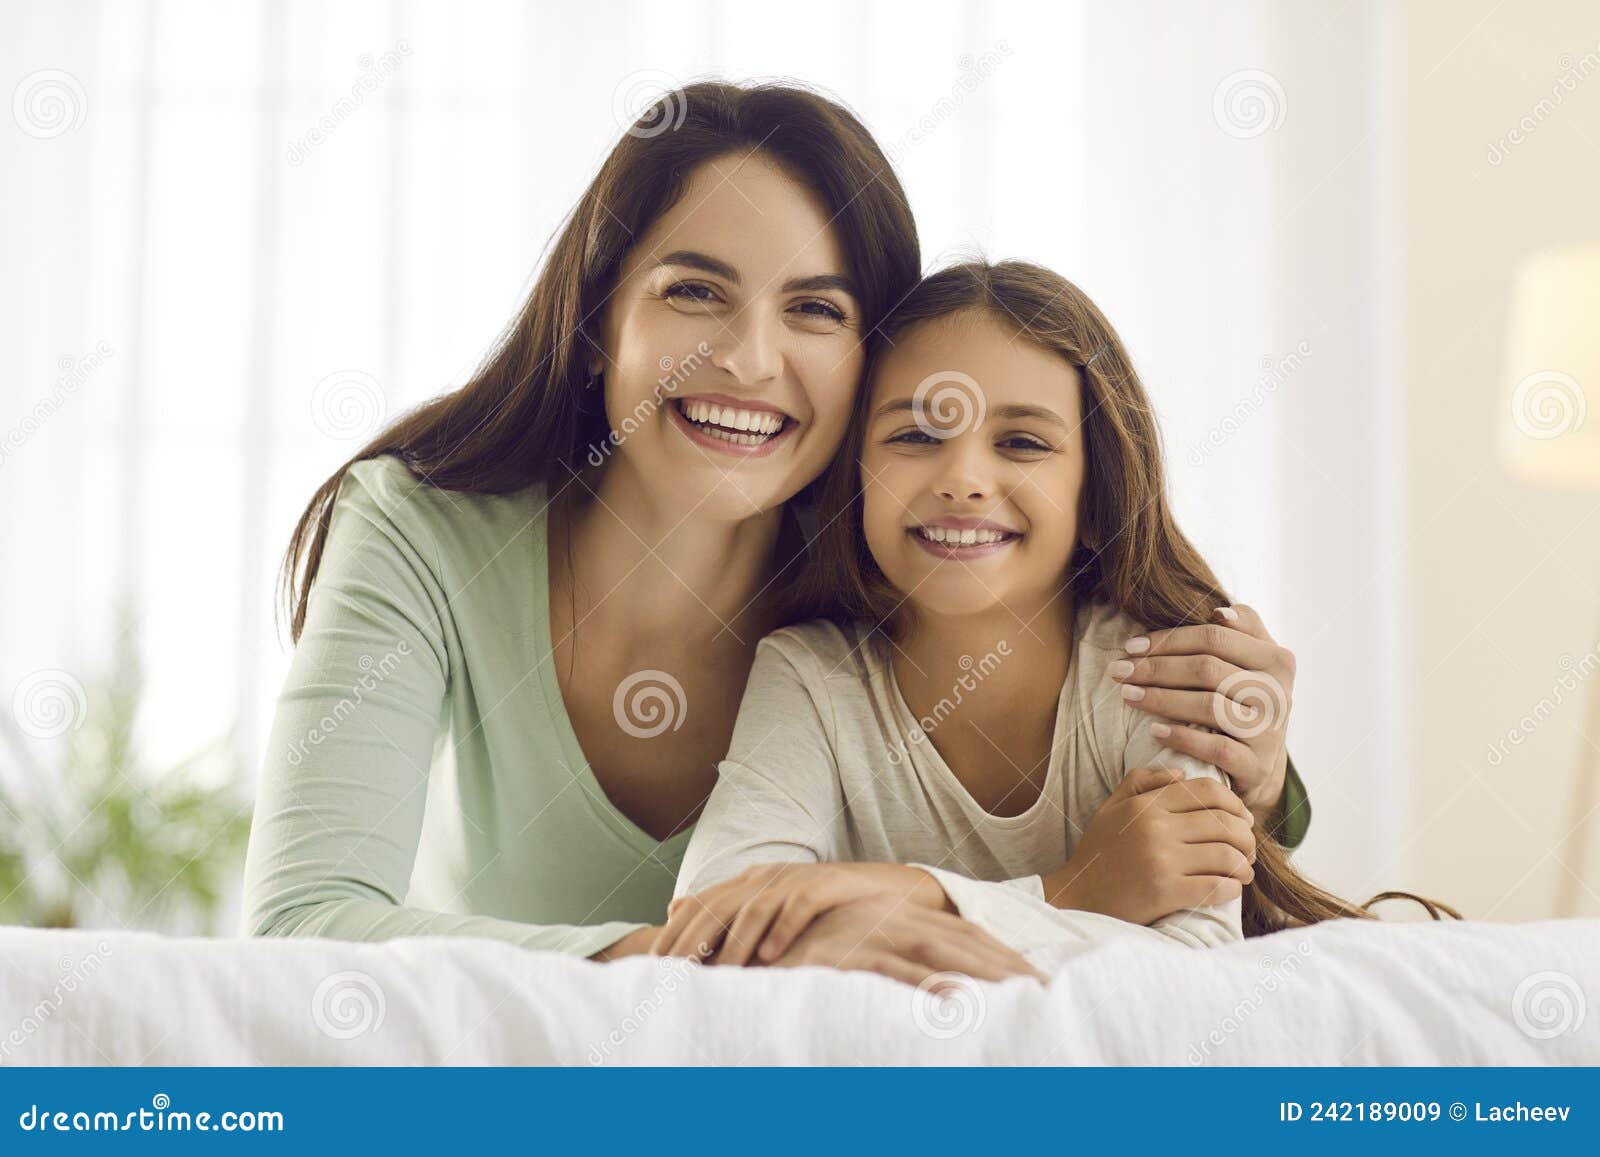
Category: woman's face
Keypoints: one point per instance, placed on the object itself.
(972, 467)
(732, 344)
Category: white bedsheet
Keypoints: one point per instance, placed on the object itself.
(1342, 993)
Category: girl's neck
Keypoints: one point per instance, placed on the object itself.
(645, 569)
(1019, 654)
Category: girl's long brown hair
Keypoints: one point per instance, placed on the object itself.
(526, 416)
(1132, 554)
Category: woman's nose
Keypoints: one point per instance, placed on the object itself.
(748, 350)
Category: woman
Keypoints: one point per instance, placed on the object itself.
(526, 612)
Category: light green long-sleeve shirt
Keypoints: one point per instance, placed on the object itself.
(430, 617)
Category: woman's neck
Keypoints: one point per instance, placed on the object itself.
(653, 573)
(1004, 665)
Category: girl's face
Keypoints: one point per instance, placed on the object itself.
(972, 467)
(732, 343)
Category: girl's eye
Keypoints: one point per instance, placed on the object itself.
(915, 436)
(1024, 442)
(694, 291)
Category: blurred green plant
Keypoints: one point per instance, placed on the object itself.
(95, 837)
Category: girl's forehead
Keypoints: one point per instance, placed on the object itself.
(1005, 364)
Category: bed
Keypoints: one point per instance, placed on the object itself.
(1343, 993)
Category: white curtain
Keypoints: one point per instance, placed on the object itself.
(238, 236)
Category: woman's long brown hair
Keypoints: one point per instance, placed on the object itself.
(1132, 554)
(526, 416)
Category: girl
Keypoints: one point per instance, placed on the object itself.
(995, 539)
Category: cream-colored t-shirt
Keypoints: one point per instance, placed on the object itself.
(829, 763)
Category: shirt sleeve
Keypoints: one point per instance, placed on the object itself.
(339, 805)
(777, 798)
(1196, 927)
(1293, 817)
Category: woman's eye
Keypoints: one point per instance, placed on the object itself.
(815, 307)
(690, 291)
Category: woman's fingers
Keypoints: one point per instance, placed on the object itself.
(1223, 641)
(1243, 617)
(1179, 672)
(749, 927)
(794, 918)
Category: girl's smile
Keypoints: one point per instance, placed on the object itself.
(963, 538)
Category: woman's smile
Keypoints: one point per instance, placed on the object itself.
(743, 429)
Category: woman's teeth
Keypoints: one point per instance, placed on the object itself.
(741, 427)
(951, 537)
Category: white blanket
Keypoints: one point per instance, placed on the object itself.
(1348, 992)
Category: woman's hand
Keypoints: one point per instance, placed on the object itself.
(906, 942)
(635, 943)
(756, 915)
(1229, 675)
(1158, 845)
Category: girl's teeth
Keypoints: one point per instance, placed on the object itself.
(951, 537)
(729, 420)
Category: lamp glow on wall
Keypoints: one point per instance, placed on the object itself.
(1550, 437)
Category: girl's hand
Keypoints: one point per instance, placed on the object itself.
(906, 942)
(1158, 845)
(755, 916)
(1229, 675)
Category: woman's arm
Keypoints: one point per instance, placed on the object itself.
(340, 801)
(1224, 691)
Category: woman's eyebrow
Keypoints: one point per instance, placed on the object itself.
(708, 264)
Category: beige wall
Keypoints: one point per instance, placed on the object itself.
(1505, 577)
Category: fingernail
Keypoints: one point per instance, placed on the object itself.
(1130, 691)
(1160, 730)
(1137, 645)
(1229, 614)
(1121, 669)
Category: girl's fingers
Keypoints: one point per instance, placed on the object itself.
(1207, 794)
(1216, 860)
(1178, 672)
(1217, 827)
(1143, 779)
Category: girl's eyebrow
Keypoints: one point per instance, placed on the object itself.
(1012, 412)
(717, 268)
